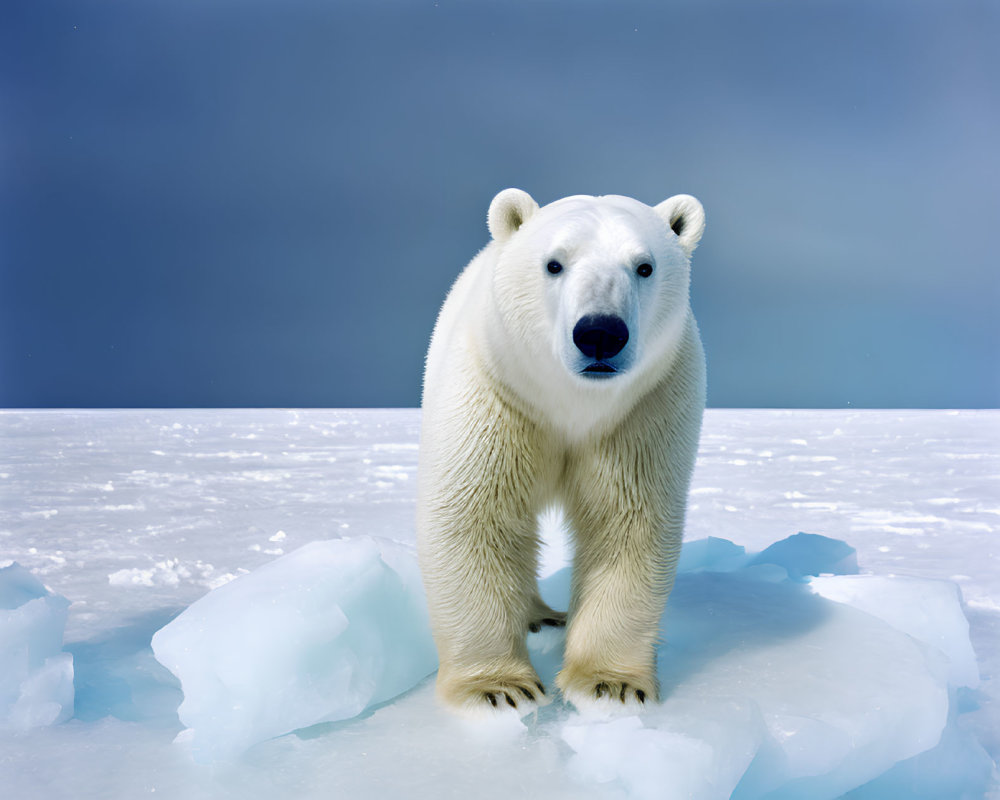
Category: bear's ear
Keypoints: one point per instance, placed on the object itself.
(509, 211)
(686, 218)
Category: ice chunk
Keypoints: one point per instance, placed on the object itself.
(711, 555)
(315, 636)
(700, 751)
(928, 610)
(36, 677)
(958, 767)
(773, 689)
(772, 686)
(810, 554)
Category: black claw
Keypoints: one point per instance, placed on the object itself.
(534, 627)
(510, 700)
(601, 688)
(622, 695)
(527, 693)
(492, 698)
(540, 687)
(640, 695)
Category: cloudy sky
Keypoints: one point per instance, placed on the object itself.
(245, 203)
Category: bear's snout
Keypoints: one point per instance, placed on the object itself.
(600, 336)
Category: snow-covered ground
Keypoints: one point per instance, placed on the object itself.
(134, 515)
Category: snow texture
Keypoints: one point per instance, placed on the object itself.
(794, 668)
(36, 677)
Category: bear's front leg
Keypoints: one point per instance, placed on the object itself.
(627, 544)
(481, 591)
(613, 630)
(477, 535)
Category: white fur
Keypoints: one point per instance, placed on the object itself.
(512, 424)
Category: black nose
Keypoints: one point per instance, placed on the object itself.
(600, 336)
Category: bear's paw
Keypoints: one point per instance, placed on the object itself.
(608, 690)
(552, 619)
(519, 694)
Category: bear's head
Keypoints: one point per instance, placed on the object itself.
(594, 286)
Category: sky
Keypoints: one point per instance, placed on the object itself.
(215, 204)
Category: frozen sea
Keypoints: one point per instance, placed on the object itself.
(133, 515)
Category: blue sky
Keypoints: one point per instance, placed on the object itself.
(263, 204)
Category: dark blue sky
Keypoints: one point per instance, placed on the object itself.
(239, 203)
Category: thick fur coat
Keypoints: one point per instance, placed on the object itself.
(565, 368)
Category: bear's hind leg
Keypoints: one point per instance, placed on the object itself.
(542, 614)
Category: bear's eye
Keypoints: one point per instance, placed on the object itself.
(644, 270)
(554, 267)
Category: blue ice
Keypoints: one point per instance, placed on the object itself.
(784, 674)
(36, 676)
(316, 636)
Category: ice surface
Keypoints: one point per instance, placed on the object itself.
(175, 502)
(36, 677)
(929, 611)
(316, 636)
(773, 686)
(772, 689)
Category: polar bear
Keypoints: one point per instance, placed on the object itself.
(565, 368)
